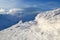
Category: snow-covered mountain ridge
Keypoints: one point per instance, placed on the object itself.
(46, 26)
(14, 15)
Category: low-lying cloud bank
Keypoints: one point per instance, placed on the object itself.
(46, 26)
(10, 11)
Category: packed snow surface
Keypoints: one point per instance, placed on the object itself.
(46, 26)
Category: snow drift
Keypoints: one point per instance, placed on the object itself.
(46, 26)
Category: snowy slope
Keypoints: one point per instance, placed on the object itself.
(46, 26)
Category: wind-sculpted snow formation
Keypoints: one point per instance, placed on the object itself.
(46, 26)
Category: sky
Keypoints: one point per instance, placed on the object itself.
(45, 4)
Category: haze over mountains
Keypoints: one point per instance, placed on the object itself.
(45, 26)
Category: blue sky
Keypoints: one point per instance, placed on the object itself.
(45, 4)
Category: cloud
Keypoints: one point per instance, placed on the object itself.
(46, 26)
(10, 11)
(2, 11)
(14, 10)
